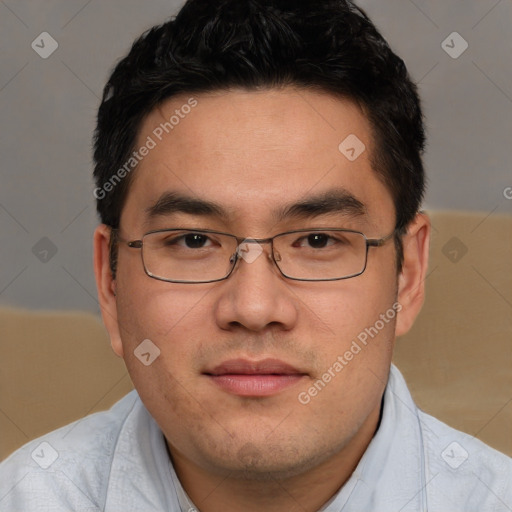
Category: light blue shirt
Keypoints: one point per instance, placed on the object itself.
(117, 461)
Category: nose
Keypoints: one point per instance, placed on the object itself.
(256, 295)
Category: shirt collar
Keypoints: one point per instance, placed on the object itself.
(390, 475)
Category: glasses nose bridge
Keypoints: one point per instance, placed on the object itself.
(242, 250)
(260, 241)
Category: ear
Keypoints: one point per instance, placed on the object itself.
(411, 281)
(106, 286)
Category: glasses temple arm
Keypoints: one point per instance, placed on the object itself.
(378, 242)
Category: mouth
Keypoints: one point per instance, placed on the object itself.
(254, 378)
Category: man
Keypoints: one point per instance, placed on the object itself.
(259, 178)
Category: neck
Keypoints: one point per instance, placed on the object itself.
(305, 492)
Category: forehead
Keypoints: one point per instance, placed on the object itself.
(254, 151)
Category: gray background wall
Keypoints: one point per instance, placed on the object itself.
(48, 107)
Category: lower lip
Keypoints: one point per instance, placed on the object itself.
(255, 385)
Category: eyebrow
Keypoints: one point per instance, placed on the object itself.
(339, 201)
(172, 202)
(334, 201)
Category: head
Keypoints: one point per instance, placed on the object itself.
(232, 117)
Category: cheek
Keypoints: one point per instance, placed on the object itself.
(356, 324)
(155, 308)
(343, 309)
(353, 359)
(170, 321)
(352, 331)
(171, 317)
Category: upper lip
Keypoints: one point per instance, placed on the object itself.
(247, 367)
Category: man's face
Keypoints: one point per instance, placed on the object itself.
(254, 154)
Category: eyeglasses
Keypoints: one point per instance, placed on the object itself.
(203, 256)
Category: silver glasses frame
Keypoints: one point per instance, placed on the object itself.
(235, 257)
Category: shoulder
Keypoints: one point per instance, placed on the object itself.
(67, 469)
(463, 470)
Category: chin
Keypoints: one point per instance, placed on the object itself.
(269, 462)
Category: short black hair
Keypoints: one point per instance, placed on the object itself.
(324, 45)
